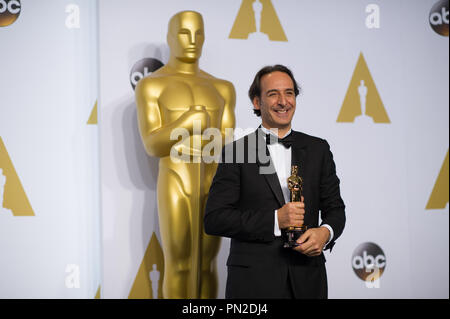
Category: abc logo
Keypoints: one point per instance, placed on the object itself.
(439, 18)
(368, 260)
(142, 68)
(9, 12)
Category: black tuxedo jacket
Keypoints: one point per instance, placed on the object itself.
(243, 197)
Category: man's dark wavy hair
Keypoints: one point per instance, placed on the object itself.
(255, 88)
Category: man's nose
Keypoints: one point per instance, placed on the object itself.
(282, 100)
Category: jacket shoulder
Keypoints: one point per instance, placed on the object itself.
(309, 139)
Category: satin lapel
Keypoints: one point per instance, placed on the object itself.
(266, 167)
(274, 183)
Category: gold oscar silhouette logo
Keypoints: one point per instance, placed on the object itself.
(93, 118)
(257, 19)
(98, 294)
(362, 101)
(9, 12)
(148, 282)
(13, 199)
(439, 195)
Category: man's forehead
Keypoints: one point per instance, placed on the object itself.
(277, 81)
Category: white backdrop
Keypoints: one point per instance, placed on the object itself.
(394, 172)
(388, 170)
(49, 87)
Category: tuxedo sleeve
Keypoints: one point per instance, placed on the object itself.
(224, 215)
(331, 204)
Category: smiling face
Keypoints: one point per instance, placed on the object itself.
(277, 101)
(186, 36)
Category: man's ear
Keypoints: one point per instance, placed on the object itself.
(256, 103)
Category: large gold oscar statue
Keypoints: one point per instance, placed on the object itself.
(180, 95)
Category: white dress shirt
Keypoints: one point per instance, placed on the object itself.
(281, 158)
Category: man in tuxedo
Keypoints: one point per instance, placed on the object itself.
(249, 200)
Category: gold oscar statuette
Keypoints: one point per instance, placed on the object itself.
(295, 185)
(175, 105)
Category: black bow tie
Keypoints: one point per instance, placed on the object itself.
(287, 141)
